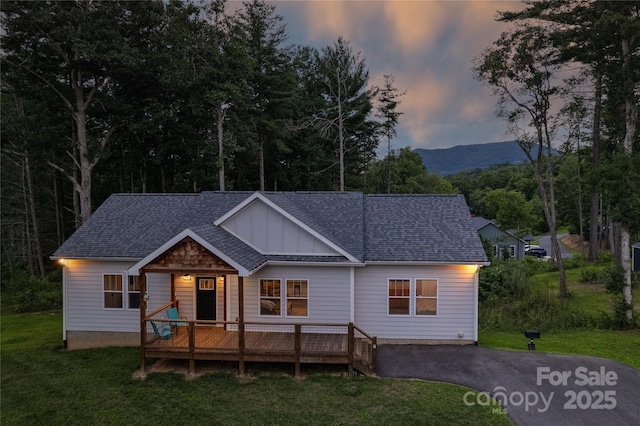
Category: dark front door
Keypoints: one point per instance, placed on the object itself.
(206, 298)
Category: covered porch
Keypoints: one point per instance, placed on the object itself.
(196, 338)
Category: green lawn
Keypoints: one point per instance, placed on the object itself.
(44, 384)
(623, 346)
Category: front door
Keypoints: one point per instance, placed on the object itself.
(206, 298)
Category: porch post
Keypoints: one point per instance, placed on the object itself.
(241, 370)
(173, 290)
(350, 344)
(143, 314)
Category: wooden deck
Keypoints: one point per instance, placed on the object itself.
(295, 343)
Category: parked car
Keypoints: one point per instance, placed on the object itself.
(535, 251)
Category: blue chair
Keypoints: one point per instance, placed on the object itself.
(164, 333)
(172, 313)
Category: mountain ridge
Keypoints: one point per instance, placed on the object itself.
(460, 158)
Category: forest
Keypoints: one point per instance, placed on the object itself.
(172, 96)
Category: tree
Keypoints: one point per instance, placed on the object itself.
(270, 81)
(74, 49)
(388, 101)
(521, 68)
(411, 176)
(509, 208)
(347, 103)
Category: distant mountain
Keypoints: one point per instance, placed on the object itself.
(449, 161)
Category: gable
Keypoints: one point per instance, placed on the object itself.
(187, 255)
(271, 232)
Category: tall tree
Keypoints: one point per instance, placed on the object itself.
(343, 77)
(521, 69)
(388, 101)
(270, 80)
(73, 48)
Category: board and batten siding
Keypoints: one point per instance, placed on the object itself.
(328, 294)
(455, 309)
(84, 297)
(271, 232)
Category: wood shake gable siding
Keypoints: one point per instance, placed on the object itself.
(84, 297)
(456, 303)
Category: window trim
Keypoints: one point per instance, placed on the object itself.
(286, 297)
(389, 314)
(415, 295)
(121, 292)
(260, 297)
(129, 277)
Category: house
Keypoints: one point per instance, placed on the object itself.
(505, 244)
(292, 266)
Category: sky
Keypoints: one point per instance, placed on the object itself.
(429, 48)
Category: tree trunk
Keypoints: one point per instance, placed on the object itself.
(261, 160)
(546, 190)
(594, 228)
(631, 116)
(34, 221)
(220, 147)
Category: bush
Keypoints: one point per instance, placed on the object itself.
(534, 266)
(22, 292)
(573, 262)
(504, 278)
(592, 275)
(614, 279)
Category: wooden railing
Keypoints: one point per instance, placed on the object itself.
(259, 342)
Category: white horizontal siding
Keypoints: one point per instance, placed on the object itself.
(84, 297)
(328, 294)
(456, 303)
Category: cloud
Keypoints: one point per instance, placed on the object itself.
(415, 25)
(333, 19)
(429, 47)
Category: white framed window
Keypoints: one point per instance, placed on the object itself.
(399, 296)
(206, 284)
(297, 298)
(133, 292)
(112, 288)
(512, 251)
(270, 297)
(426, 294)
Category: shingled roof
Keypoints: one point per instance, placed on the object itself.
(370, 228)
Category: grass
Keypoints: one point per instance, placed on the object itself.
(44, 384)
(623, 346)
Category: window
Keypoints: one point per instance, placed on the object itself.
(133, 292)
(269, 297)
(206, 284)
(426, 297)
(512, 251)
(399, 297)
(112, 291)
(297, 298)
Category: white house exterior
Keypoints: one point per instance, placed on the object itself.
(403, 268)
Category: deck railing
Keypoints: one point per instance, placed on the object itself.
(257, 342)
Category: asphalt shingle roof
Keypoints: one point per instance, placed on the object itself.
(429, 228)
(420, 228)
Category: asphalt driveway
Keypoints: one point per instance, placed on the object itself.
(534, 388)
(544, 241)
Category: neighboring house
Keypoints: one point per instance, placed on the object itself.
(635, 257)
(504, 243)
(402, 268)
